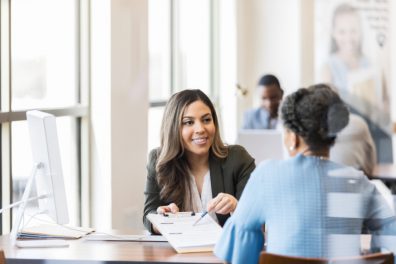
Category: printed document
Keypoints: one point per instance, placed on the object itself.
(183, 235)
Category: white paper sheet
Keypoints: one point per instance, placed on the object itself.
(183, 235)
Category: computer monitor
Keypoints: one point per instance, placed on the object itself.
(47, 171)
(49, 179)
(262, 144)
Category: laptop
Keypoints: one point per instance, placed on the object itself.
(262, 144)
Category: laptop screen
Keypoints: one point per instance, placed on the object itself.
(262, 144)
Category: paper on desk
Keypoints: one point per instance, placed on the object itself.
(111, 237)
(54, 231)
(186, 237)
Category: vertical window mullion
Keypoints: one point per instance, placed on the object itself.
(172, 25)
(6, 182)
(175, 42)
(83, 123)
(5, 92)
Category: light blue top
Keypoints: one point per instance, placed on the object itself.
(311, 207)
(258, 118)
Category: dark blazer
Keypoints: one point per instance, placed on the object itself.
(227, 175)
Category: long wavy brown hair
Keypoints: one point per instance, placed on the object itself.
(172, 166)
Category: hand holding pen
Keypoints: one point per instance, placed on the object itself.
(223, 203)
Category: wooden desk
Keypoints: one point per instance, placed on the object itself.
(95, 252)
(386, 172)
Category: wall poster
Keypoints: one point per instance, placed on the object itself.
(352, 53)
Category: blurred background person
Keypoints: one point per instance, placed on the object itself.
(265, 116)
(355, 147)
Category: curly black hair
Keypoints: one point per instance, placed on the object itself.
(316, 114)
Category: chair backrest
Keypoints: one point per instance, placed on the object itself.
(2, 257)
(269, 258)
(377, 258)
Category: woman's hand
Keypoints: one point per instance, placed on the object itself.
(170, 208)
(223, 203)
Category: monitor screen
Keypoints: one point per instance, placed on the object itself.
(262, 144)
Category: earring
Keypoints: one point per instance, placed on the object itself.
(291, 148)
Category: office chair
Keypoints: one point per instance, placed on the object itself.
(377, 258)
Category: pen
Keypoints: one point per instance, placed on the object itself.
(202, 216)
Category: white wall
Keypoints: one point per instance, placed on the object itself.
(100, 114)
(119, 111)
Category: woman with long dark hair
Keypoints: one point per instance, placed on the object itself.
(193, 170)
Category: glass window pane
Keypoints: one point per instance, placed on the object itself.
(22, 164)
(155, 119)
(44, 53)
(193, 54)
(159, 49)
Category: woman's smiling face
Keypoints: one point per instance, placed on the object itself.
(198, 129)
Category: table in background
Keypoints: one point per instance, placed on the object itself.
(95, 252)
(387, 173)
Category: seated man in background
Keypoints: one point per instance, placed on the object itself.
(355, 147)
(265, 116)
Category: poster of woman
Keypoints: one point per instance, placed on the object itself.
(352, 54)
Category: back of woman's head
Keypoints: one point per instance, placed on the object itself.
(316, 114)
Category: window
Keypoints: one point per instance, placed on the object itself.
(180, 50)
(160, 49)
(43, 54)
(42, 48)
(193, 54)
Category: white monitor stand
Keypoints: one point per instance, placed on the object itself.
(21, 210)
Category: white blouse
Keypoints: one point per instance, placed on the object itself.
(200, 202)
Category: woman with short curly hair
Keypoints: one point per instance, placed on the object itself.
(311, 206)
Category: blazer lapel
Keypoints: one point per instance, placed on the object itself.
(216, 176)
(217, 182)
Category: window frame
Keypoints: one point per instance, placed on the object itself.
(174, 43)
